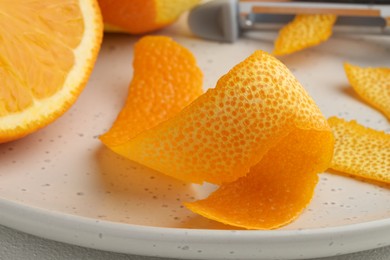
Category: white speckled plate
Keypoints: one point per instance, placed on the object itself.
(61, 183)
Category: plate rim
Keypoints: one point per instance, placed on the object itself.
(89, 232)
(173, 242)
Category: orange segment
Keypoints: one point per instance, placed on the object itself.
(224, 132)
(372, 85)
(141, 16)
(166, 79)
(306, 30)
(360, 151)
(47, 53)
(277, 189)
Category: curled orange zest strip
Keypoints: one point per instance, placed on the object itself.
(257, 134)
(166, 79)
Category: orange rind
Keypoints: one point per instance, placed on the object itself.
(257, 134)
(372, 85)
(360, 151)
(277, 189)
(142, 16)
(166, 79)
(306, 30)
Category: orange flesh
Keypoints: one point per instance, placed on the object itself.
(26, 76)
(47, 52)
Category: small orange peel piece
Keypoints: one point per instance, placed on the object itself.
(166, 79)
(306, 30)
(360, 151)
(258, 134)
(372, 85)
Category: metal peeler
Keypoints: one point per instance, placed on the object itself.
(225, 20)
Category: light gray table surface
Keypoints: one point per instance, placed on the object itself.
(15, 245)
(18, 245)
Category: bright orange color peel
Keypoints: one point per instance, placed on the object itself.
(166, 79)
(372, 85)
(257, 134)
(231, 127)
(142, 16)
(306, 30)
(277, 189)
(360, 151)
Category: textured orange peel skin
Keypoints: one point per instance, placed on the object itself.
(306, 30)
(219, 136)
(142, 16)
(277, 189)
(166, 79)
(258, 134)
(372, 85)
(360, 151)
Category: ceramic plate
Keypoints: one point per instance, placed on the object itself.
(61, 183)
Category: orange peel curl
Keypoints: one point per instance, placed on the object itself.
(257, 134)
(166, 79)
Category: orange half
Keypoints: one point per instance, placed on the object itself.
(47, 52)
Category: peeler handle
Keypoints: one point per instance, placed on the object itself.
(224, 20)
